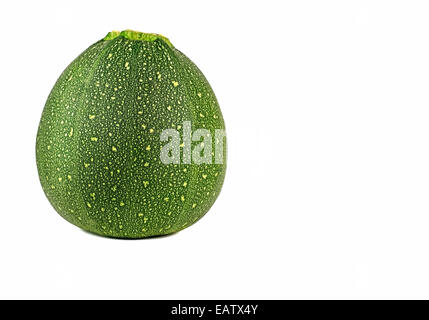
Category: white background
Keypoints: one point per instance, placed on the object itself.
(326, 196)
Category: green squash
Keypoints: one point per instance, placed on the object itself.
(99, 139)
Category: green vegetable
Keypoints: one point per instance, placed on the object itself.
(98, 145)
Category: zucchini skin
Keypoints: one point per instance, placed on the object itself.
(98, 143)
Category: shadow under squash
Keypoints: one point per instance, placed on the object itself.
(127, 239)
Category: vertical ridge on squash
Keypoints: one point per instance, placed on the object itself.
(56, 138)
(98, 143)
